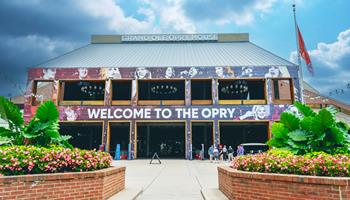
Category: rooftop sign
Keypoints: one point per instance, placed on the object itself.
(168, 37)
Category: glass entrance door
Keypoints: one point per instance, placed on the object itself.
(166, 139)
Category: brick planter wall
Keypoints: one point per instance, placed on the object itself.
(252, 185)
(100, 184)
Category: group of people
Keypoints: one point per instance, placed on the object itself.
(221, 152)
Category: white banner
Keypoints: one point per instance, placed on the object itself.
(161, 113)
(169, 37)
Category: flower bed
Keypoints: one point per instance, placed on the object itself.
(316, 164)
(20, 160)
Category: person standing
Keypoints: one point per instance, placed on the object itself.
(224, 153)
(220, 151)
(211, 153)
(230, 153)
(216, 154)
(240, 150)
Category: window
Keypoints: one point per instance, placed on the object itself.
(82, 92)
(201, 92)
(242, 91)
(121, 92)
(161, 92)
(282, 91)
(42, 91)
(84, 135)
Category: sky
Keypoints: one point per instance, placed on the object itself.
(34, 31)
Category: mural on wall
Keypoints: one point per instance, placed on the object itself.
(277, 72)
(169, 73)
(215, 112)
(190, 73)
(70, 114)
(82, 72)
(49, 73)
(258, 112)
(163, 72)
(110, 73)
(142, 73)
(247, 72)
(166, 73)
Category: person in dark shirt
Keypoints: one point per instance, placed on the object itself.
(230, 153)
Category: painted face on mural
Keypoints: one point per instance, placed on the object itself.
(219, 71)
(113, 73)
(247, 72)
(142, 72)
(273, 72)
(83, 72)
(70, 114)
(260, 112)
(49, 73)
(192, 72)
(169, 72)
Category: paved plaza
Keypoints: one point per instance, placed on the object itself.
(173, 179)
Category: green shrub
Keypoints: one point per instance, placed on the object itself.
(280, 152)
(18, 160)
(42, 130)
(308, 131)
(316, 164)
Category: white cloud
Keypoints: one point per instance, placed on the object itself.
(332, 54)
(225, 12)
(171, 15)
(116, 19)
(331, 65)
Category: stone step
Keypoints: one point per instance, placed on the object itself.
(213, 194)
(127, 194)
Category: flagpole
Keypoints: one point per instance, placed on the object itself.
(301, 82)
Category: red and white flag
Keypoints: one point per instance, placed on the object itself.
(303, 53)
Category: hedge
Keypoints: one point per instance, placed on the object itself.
(19, 160)
(316, 164)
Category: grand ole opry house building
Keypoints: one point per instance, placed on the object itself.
(165, 93)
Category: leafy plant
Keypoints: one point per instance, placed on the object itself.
(308, 131)
(43, 128)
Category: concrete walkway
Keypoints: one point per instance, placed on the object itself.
(173, 179)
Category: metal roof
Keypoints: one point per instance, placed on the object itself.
(173, 54)
(308, 87)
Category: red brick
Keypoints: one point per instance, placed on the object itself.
(248, 186)
(100, 184)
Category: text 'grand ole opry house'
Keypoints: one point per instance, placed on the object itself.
(165, 93)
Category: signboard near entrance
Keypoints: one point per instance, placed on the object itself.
(160, 113)
(214, 112)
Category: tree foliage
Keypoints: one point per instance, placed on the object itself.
(308, 131)
(42, 130)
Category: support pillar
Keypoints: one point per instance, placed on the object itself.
(216, 132)
(188, 140)
(188, 92)
(188, 137)
(105, 132)
(214, 90)
(133, 140)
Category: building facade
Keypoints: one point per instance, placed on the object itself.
(165, 93)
